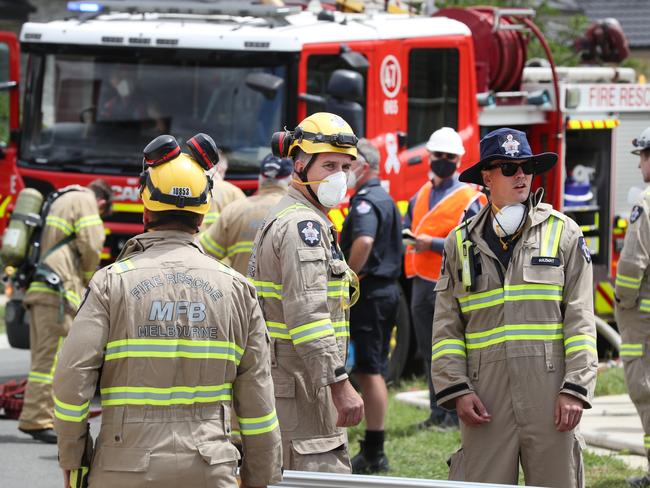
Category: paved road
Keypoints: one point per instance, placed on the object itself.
(25, 462)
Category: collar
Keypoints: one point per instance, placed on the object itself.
(271, 189)
(363, 189)
(445, 184)
(298, 196)
(147, 240)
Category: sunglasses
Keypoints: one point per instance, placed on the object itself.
(443, 155)
(510, 169)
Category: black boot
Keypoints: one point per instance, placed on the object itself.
(639, 481)
(367, 462)
(44, 435)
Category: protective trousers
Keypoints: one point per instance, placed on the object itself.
(310, 439)
(636, 363)
(46, 334)
(522, 428)
(423, 300)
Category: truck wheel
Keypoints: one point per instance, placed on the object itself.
(402, 348)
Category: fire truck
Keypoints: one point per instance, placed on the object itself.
(98, 86)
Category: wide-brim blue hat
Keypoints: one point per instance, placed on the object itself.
(506, 144)
(273, 167)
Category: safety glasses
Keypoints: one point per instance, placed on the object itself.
(510, 169)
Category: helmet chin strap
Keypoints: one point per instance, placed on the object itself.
(303, 178)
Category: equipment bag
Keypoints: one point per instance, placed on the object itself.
(17, 324)
(12, 397)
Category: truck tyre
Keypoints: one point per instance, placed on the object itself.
(402, 347)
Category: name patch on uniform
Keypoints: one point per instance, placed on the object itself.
(309, 232)
(636, 213)
(363, 207)
(582, 245)
(545, 261)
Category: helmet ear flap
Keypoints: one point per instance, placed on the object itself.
(162, 149)
(280, 142)
(204, 150)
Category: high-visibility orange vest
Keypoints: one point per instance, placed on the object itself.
(437, 222)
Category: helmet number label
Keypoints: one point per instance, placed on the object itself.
(181, 191)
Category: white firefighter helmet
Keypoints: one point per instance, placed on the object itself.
(446, 140)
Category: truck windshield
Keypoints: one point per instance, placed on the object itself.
(93, 113)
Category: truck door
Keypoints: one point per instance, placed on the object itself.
(10, 182)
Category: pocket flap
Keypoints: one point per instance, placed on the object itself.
(442, 283)
(284, 387)
(549, 275)
(338, 267)
(218, 452)
(129, 459)
(318, 445)
(313, 254)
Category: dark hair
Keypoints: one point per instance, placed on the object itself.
(102, 191)
(190, 220)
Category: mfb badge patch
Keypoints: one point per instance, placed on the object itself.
(635, 214)
(309, 231)
(585, 249)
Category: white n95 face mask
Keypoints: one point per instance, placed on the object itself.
(509, 219)
(332, 190)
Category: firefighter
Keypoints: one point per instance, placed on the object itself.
(224, 192)
(231, 236)
(173, 337)
(433, 212)
(633, 301)
(371, 241)
(70, 249)
(302, 281)
(514, 348)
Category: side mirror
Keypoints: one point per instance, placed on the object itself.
(345, 84)
(402, 139)
(353, 59)
(266, 84)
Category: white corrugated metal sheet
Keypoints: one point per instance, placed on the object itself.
(627, 173)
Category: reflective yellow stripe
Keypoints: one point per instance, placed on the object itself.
(341, 329)
(56, 356)
(513, 332)
(644, 305)
(37, 377)
(628, 281)
(173, 348)
(311, 330)
(74, 298)
(580, 343)
(239, 247)
(69, 412)
(123, 266)
(88, 274)
(211, 246)
(59, 223)
(448, 346)
(258, 425)
(551, 239)
(78, 476)
(42, 287)
(176, 395)
(513, 293)
(87, 221)
(127, 207)
(631, 350)
(291, 208)
(646, 441)
(210, 218)
(338, 288)
(278, 330)
(268, 289)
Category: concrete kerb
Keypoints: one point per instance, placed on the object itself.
(612, 424)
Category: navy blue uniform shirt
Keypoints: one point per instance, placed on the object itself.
(373, 213)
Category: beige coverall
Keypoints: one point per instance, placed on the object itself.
(178, 336)
(74, 213)
(223, 193)
(524, 335)
(633, 310)
(231, 236)
(300, 276)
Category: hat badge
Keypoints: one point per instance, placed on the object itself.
(511, 145)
